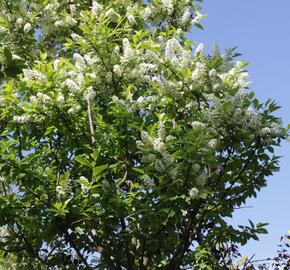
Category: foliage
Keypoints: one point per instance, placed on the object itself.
(123, 145)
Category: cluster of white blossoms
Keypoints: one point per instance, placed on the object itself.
(60, 192)
(148, 181)
(127, 51)
(33, 75)
(173, 50)
(193, 193)
(235, 76)
(85, 185)
(199, 71)
(96, 8)
(68, 21)
(167, 6)
(20, 119)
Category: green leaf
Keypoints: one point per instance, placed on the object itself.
(82, 160)
(99, 169)
(95, 154)
(138, 170)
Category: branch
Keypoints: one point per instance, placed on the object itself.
(91, 121)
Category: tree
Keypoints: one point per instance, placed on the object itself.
(123, 145)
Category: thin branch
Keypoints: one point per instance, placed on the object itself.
(92, 130)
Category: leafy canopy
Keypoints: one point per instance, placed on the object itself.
(123, 145)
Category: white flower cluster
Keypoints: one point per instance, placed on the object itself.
(127, 51)
(167, 6)
(173, 50)
(186, 17)
(193, 193)
(27, 27)
(60, 192)
(96, 8)
(4, 232)
(79, 61)
(159, 166)
(30, 75)
(197, 124)
(72, 86)
(89, 94)
(199, 71)
(20, 119)
(148, 181)
(85, 187)
(236, 77)
(3, 30)
(147, 12)
(68, 21)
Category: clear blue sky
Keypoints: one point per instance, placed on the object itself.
(261, 30)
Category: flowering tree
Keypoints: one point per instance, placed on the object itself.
(123, 145)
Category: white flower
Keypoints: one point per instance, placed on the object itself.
(168, 160)
(197, 18)
(186, 17)
(197, 124)
(148, 181)
(193, 193)
(140, 100)
(96, 8)
(79, 61)
(131, 19)
(90, 94)
(90, 60)
(71, 85)
(80, 78)
(168, 6)
(4, 232)
(158, 145)
(212, 143)
(145, 68)
(43, 98)
(151, 157)
(74, 109)
(72, 8)
(161, 130)
(199, 49)
(75, 37)
(59, 23)
(60, 191)
(19, 22)
(212, 73)
(85, 187)
(112, 14)
(30, 74)
(159, 165)
(116, 49)
(27, 27)
(116, 99)
(56, 64)
(200, 69)
(128, 53)
(147, 13)
(146, 139)
(173, 50)
(20, 119)
(2, 30)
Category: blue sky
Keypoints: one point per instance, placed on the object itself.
(261, 30)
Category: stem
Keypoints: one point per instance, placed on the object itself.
(91, 121)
